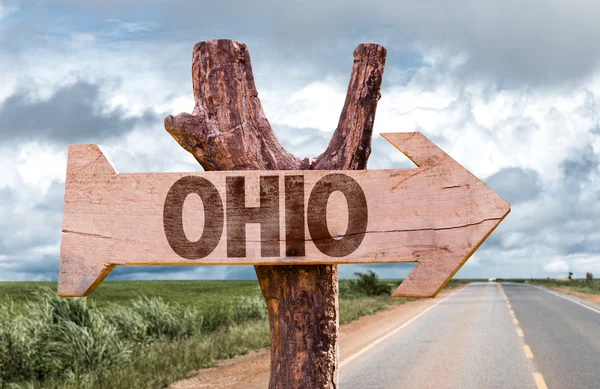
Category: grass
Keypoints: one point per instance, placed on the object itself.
(165, 361)
(143, 334)
(138, 342)
(577, 285)
(186, 293)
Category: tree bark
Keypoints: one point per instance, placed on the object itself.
(228, 130)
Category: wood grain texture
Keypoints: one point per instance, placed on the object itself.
(436, 215)
(228, 130)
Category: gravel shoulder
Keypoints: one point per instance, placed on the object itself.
(595, 298)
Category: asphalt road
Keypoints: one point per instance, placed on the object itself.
(487, 335)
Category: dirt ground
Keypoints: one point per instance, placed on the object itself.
(595, 298)
(251, 371)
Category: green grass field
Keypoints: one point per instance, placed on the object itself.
(186, 293)
(143, 334)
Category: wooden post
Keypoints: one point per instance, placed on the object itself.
(228, 130)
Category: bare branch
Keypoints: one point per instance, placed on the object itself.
(228, 130)
(350, 145)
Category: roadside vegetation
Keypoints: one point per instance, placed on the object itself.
(144, 334)
(52, 342)
(588, 285)
(366, 294)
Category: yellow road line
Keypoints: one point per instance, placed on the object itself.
(528, 352)
(503, 293)
(539, 381)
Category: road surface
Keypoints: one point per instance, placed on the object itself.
(486, 335)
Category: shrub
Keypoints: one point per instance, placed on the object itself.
(218, 313)
(82, 349)
(50, 307)
(249, 308)
(370, 284)
(128, 323)
(57, 337)
(163, 319)
(364, 284)
(57, 341)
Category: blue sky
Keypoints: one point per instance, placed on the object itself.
(509, 89)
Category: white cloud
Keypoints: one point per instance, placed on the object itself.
(39, 164)
(486, 126)
(316, 105)
(557, 266)
(577, 264)
(125, 28)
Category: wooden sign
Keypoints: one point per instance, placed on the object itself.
(437, 215)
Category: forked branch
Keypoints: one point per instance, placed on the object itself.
(228, 130)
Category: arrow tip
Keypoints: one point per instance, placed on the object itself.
(434, 271)
(417, 148)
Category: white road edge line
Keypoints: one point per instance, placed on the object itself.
(569, 299)
(384, 337)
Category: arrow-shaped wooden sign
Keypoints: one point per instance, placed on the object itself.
(437, 215)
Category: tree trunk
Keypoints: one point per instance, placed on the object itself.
(228, 130)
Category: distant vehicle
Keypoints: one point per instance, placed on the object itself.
(495, 280)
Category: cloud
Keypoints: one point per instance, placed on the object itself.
(559, 226)
(557, 266)
(129, 28)
(393, 270)
(30, 222)
(512, 96)
(39, 268)
(577, 171)
(514, 42)
(72, 114)
(167, 273)
(516, 184)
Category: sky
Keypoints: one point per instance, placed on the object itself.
(510, 89)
